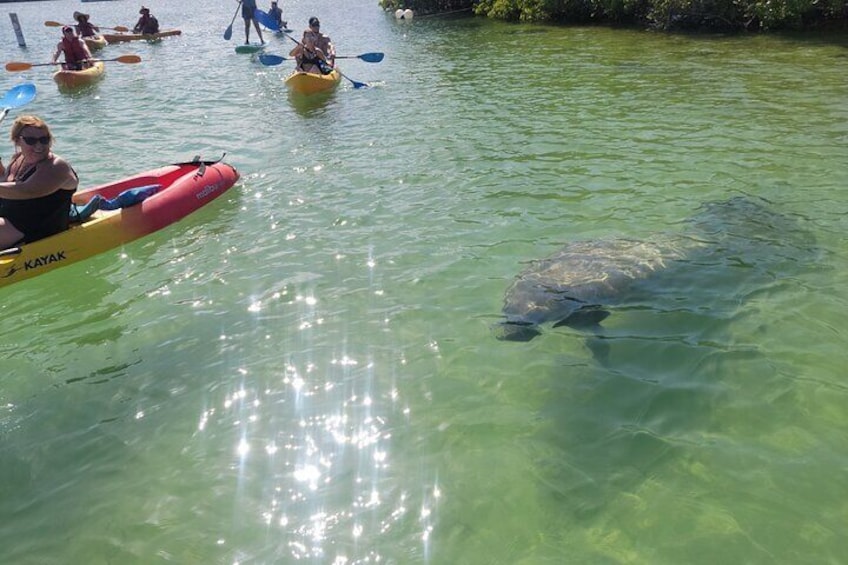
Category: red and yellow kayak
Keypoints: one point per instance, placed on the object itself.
(177, 191)
(309, 83)
(123, 37)
(72, 80)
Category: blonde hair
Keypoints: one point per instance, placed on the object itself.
(22, 122)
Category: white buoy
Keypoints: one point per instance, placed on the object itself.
(399, 14)
(407, 14)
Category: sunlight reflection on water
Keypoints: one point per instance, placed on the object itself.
(320, 443)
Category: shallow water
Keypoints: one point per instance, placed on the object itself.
(305, 370)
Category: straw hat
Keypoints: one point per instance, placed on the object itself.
(78, 15)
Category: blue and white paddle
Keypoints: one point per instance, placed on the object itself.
(16, 97)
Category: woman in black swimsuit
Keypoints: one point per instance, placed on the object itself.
(35, 198)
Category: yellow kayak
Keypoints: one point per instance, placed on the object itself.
(169, 194)
(310, 83)
(124, 37)
(72, 80)
(95, 42)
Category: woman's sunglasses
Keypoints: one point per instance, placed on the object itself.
(44, 139)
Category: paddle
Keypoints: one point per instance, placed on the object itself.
(367, 57)
(271, 60)
(57, 24)
(17, 96)
(15, 66)
(228, 34)
(353, 82)
(266, 20)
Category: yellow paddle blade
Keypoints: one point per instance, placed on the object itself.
(121, 28)
(126, 59)
(16, 66)
(53, 24)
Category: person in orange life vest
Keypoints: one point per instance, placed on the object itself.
(146, 24)
(84, 27)
(77, 55)
(35, 197)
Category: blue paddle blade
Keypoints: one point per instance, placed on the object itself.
(371, 57)
(270, 60)
(19, 95)
(266, 20)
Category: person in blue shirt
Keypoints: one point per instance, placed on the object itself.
(248, 12)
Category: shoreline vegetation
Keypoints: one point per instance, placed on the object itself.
(709, 16)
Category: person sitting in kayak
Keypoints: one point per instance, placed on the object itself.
(277, 15)
(147, 24)
(310, 59)
(322, 41)
(84, 27)
(35, 198)
(77, 55)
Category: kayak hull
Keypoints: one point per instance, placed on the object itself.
(73, 80)
(95, 42)
(180, 190)
(124, 37)
(309, 83)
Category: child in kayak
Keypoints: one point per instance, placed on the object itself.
(310, 58)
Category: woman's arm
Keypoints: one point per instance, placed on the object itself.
(47, 179)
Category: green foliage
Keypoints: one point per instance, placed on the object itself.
(704, 15)
(423, 7)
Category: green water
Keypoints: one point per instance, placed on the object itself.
(304, 370)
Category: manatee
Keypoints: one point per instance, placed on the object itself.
(570, 287)
(573, 286)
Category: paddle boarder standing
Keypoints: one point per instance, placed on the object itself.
(248, 12)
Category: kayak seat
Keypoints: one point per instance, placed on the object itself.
(129, 197)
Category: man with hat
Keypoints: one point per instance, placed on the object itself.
(77, 55)
(322, 41)
(84, 27)
(147, 24)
